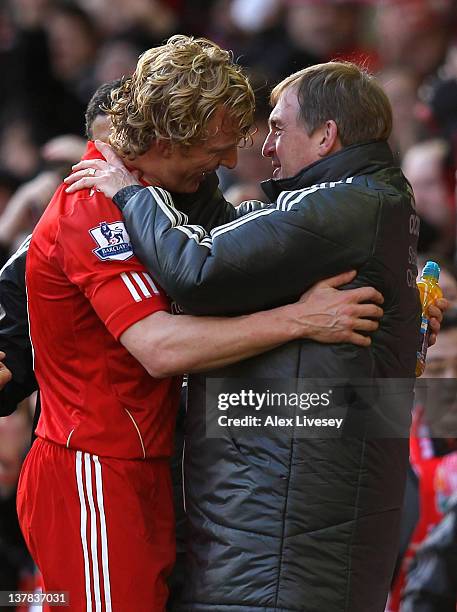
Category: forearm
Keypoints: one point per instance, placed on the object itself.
(205, 343)
(167, 345)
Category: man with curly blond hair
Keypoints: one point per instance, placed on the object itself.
(94, 498)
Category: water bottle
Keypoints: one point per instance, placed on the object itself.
(429, 291)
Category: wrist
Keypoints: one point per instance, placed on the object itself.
(299, 326)
(289, 323)
(123, 195)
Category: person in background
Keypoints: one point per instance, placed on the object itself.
(433, 437)
(431, 582)
(425, 166)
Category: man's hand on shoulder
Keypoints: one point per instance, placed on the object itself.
(339, 316)
(108, 176)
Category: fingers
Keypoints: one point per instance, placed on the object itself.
(367, 310)
(366, 325)
(108, 153)
(434, 312)
(359, 340)
(76, 176)
(2, 355)
(338, 280)
(85, 164)
(438, 308)
(442, 303)
(87, 182)
(5, 374)
(435, 325)
(365, 294)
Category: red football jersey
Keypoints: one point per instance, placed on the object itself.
(85, 288)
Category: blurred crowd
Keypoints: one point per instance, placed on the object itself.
(55, 53)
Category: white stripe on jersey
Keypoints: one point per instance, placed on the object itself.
(131, 287)
(150, 282)
(104, 538)
(83, 529)
(84, 483)
(93, 533)
(139, 281)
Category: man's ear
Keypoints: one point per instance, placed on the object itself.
(330, 140)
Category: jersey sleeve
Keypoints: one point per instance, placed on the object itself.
(96, 254)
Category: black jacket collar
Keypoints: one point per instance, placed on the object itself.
(353, 160)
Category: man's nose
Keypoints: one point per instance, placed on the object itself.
(268, 146)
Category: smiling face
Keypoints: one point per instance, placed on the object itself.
(288, 145)
(182, 168)
(190, 163)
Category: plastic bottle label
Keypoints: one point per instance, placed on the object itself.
(424, 334)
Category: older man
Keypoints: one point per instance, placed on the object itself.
(287, 524)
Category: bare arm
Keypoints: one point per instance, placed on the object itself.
(167, 345)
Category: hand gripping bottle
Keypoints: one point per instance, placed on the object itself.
(429, 291)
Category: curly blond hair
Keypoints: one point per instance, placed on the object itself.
(173, 93)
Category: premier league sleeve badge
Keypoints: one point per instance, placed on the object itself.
(113, 241)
